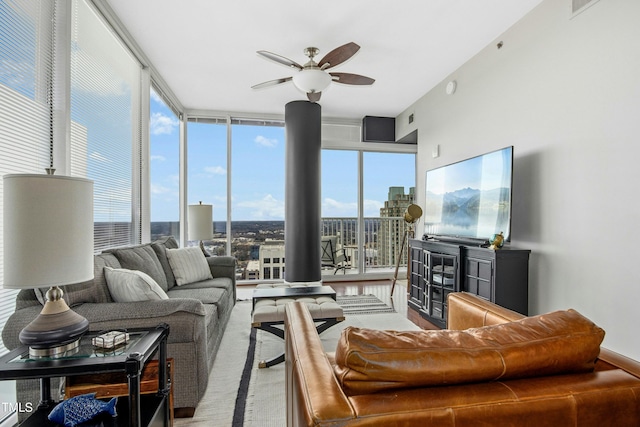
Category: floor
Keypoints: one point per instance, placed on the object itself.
(379, 288)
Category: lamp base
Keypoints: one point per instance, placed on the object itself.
(56, 331)
(55, 352)
(204, 250)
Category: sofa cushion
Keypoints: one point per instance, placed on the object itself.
(205, 295)
(132, 285)
(368, 360)
(142, 258)
(160, 246)
(189, 265)
(92, 291)
(218, 282)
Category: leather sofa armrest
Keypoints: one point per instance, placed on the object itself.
(314, 396)
(465, 310)
(611, 360)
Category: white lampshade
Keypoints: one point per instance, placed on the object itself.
(311, 80)
(48, 230)
(200, 222)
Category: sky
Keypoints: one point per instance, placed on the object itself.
(484, 172)
(258, 172)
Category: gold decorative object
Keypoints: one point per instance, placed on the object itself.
(497, 240)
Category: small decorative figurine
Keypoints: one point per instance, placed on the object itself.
(497, 240)
(79, 409)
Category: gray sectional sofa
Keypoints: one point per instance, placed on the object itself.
(197, 313)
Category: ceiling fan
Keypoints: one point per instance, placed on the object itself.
(312, 78)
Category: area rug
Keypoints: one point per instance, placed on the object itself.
(363, 304)
(257, 397)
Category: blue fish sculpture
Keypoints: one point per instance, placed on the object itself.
(79, 409)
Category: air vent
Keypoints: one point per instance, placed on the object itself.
(578, 6)
(338, 132)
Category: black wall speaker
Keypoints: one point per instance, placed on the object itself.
(378, 129)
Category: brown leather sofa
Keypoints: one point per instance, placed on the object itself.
(548, 377)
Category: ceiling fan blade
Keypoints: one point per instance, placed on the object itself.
(271, 83)
(338, 55)
(314, 96)
(351, 79)
(280, 59)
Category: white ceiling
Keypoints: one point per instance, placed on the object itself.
(206, 50)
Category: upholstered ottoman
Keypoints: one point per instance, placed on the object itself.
(269, 304)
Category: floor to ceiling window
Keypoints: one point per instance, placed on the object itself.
(257, 205)
(105, 125)
(371, 241)
(364, 195)
(208, 174)
(340, 204)
(388, 188)
(26, 72)
(164, 169)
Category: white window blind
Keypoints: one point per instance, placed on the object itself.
(26, 71)
(105, 130)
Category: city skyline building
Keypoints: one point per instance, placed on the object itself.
(391, 230)
(271, 258)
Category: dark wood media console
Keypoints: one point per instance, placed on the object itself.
(439, 268)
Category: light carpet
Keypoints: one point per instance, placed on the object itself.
(265, 402)
(363, 304)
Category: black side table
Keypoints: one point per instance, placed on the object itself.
(130, 359)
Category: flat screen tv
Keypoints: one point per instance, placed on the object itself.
(470, 200)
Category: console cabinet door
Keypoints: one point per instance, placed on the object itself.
(479, 277)
(416, 279)
(443, 278)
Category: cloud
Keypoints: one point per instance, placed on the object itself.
(159, 189)
(334, 208)
(265, 142)
(337, 209)
(161, 124)
(156, 97)
(99, 157)
(110, 82)
(158, 158)
(215, 170)
(372, 208)
(264, 209)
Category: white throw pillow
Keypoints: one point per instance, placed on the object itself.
(189, 265)
(132, 285)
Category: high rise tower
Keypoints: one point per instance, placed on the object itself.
(392, 225)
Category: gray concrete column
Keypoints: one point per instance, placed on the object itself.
(302, 192)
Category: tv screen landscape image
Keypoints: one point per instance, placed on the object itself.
(470, 199)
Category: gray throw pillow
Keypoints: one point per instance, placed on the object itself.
(160, 246)
(131, 285)
(141, 258)
(189, 265)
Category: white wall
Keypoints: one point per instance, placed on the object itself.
(566, 93)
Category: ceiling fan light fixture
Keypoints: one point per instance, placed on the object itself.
(312, 80)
